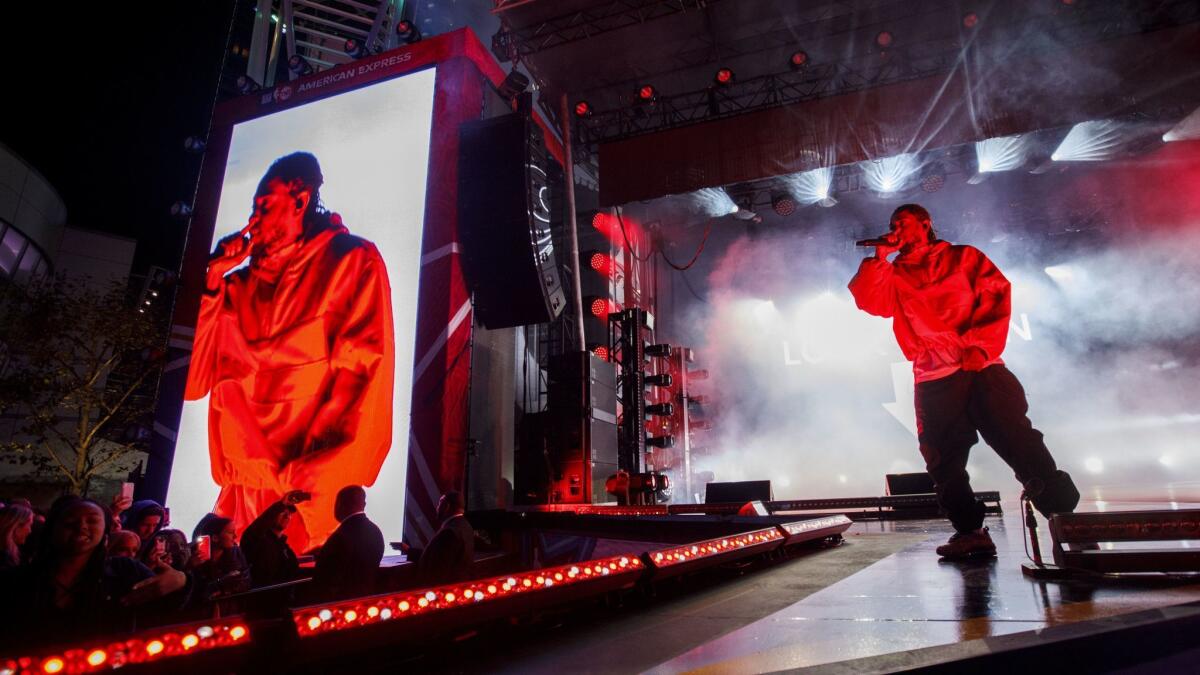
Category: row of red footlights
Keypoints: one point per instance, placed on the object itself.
(173, 641)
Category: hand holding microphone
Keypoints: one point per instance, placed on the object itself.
(230, 253)
(883, 245)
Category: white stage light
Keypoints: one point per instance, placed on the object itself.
(891, 173)
(1188, 129)
(1000, 154)
(811, 187)
(1060, 272)
(1091, 141)
(714, 202)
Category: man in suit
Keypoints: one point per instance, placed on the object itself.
(451, 552)
(348, 562)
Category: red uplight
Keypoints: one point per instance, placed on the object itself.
(799, 59)
(602, 264)
(885, 38)
(647, 93)
(601, 308)
(724, 76)
(53, 665)
(583, 109)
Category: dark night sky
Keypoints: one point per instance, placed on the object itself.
(106, 126)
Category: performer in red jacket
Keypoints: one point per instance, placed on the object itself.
(296, 353)
(950, 308)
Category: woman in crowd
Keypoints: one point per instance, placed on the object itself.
(72, 589)
(226, 571)
(16, 522)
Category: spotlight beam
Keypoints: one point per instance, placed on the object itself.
(810, 187)
(891, 174)
(1090, 141)
(1000, 154)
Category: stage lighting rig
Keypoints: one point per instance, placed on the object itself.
(357, 49)
(667, 441)
(194, 144)
(514, 84)
(407, 32)
(181, 210)
(660, 409)
(299, 65)
(247, 85)
(783, 204)
(659, 351)
(660, 380)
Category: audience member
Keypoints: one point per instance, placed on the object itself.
(271, 560)
(123, 544)
(178, 549)
(348, 562)
(451, 553)
(72, 589)
(16, 522)
(144, 517)
(226, 571)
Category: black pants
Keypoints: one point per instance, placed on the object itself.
(991, 401)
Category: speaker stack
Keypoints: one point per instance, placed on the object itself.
(509, 189)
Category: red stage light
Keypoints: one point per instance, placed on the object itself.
(884, 39)
(724, 76)
(602, 263)
(799, 59)
(783, 204)
(347, 614)
(583, 109)
(681, 554)
(601, 352)
(970, 20)
(647, 93)
(153, 645)
(602, 307)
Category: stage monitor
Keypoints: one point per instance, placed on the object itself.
(302, 366)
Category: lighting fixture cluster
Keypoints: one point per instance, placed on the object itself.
(152, 646)
(813, 524)
(1124, 529)
(319, 619)
(680, 554)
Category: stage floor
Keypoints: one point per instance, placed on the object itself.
(910, 600)
(883, 591)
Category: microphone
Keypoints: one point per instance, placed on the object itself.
(886, 240)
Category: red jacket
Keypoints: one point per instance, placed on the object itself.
(941, 299)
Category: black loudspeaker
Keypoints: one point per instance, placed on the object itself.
(909, 483)
(739, 492)
(582, 438)
(509, 202)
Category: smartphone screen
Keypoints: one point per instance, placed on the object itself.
(203, 543)
(127, 490)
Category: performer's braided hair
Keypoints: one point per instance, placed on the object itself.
(303, 168)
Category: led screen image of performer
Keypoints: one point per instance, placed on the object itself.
(950, 308)
(296, 352)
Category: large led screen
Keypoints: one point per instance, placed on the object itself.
(301, 372)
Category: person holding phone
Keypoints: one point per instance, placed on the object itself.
(226, 571)
(294, 348)
(265, 542)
